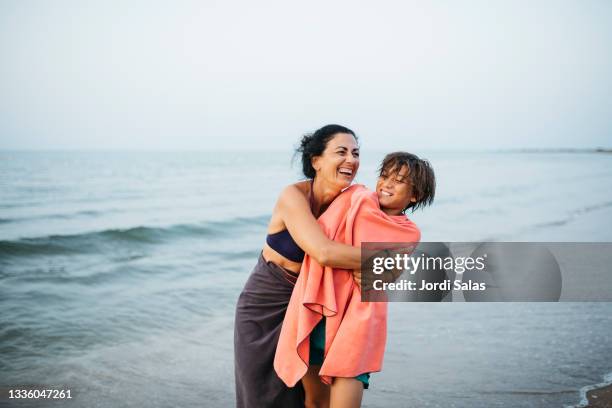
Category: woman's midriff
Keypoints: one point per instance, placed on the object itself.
(271, 255)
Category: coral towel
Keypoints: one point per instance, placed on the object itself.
(355, 331)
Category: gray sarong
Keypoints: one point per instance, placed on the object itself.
(259, 316)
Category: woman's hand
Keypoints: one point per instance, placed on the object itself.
(364, 282)
(357, 277)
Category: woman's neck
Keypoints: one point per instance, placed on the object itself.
(323, 196)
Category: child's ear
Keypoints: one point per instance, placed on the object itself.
(413, 200)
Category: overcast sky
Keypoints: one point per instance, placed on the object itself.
(257, 74)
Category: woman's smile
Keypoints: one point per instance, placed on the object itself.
(346, 171)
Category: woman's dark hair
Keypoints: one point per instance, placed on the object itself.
(421, 175)
(313, 144)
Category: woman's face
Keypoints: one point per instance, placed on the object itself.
(394, 189)
(338, 164)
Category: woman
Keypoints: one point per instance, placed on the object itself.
(330, 160)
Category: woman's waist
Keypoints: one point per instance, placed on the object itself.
(271, 256)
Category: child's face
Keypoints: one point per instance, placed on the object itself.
(394, 189)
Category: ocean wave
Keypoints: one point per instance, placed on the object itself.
(93, 242)
(574, 214)
(60, 216)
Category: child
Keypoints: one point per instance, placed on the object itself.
(405, 182)
(327, 324)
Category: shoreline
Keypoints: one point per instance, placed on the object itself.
(597, 395)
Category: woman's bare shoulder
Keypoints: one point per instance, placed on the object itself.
(291, 197)
(295, 191)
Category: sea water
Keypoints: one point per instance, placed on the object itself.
(119, 273)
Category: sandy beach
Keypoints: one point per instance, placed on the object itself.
(600, 397)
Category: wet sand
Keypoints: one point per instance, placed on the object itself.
(600, 397)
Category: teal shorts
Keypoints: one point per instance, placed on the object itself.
(317, 348)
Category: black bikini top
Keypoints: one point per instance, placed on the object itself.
(283, 243)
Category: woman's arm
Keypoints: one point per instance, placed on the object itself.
(307, 233)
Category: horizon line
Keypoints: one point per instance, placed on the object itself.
(594, 149)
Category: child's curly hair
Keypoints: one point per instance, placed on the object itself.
(421, 175)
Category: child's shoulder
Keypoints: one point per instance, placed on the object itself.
(356, 189)
(360, 192)
(407, 224)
